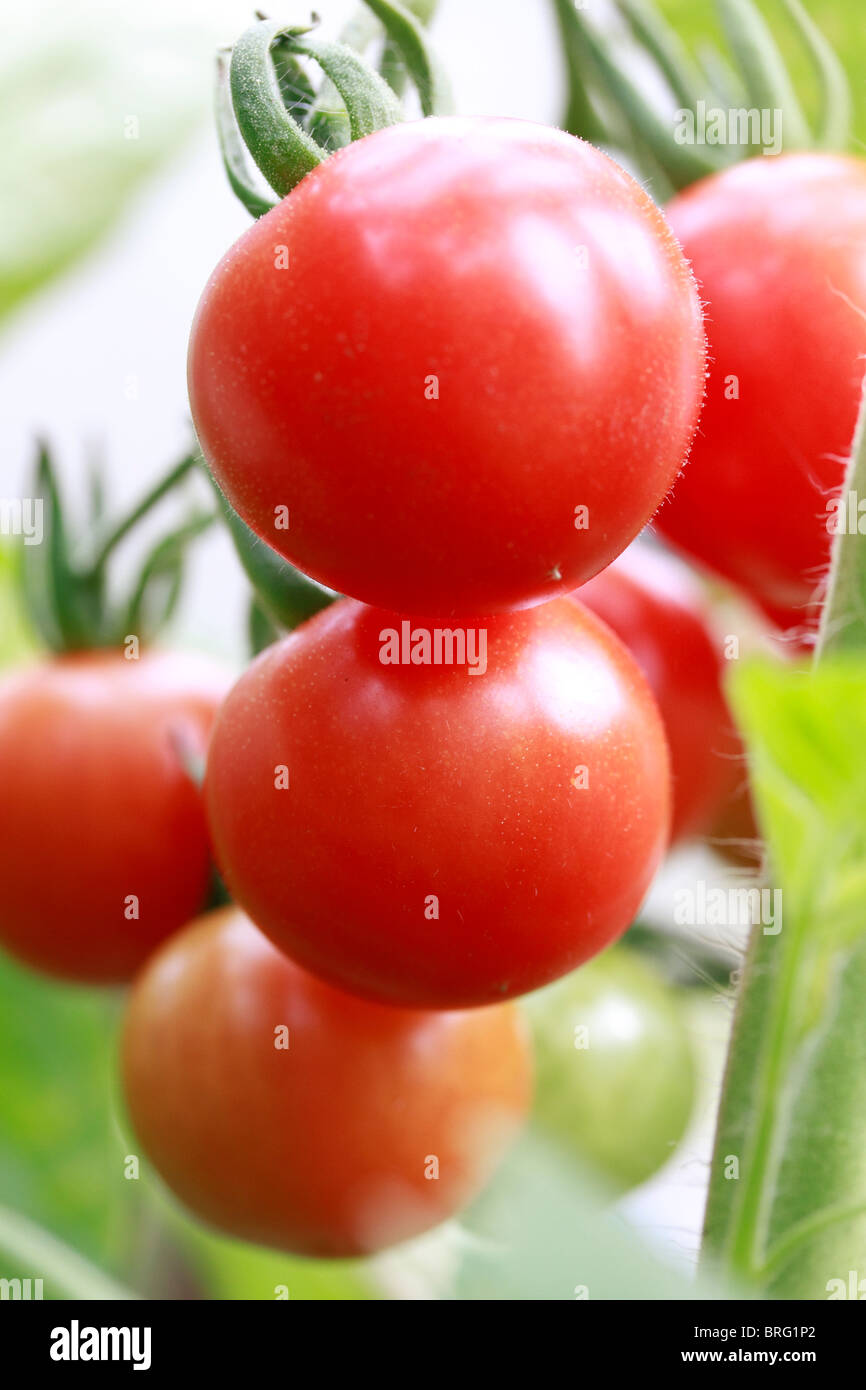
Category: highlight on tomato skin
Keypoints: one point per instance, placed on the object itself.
(294, 1115)
(778, 246)
(103, 844)
(658, 608)
(430, 837)
(455, 371)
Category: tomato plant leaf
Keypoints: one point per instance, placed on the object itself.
(90, 110)
(543, 1230)
(788, 1187)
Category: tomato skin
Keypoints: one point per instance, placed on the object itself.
(409, 782)
(97, 805)
(451, 249)
(779, 249)
(623, 1098)
(320, 1147)
(657, 609)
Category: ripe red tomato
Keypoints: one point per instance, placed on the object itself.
(657, 609)
(294, 1115)
(779, 249)
(99, 818)
(446, 341)
(432, 838)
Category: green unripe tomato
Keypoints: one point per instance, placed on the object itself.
(615, 1071)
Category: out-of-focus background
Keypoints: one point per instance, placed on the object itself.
(113, 210)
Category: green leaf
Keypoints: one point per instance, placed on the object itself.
(17, 638)
(27, 1251)
(57, 1154)
(545, 1232)
(793, 1114)
(234, 1270)
(94, 99)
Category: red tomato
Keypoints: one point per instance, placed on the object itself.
(735, 832)
(657, 609)
(779, 249)
(446, 341)
(99, 818)
(295, 1115)
(445, 839)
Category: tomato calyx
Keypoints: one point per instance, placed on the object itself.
(283, 597)
(608, 107)
(65, 575)
(269, 109)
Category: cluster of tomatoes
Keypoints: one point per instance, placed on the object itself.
(451, 375)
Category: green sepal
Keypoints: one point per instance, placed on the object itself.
(661, 41)
(64, 602)
(262, 632)
(65, 584)
(765, 76)
(834, 122)
(286, 596)
(591, 59)
(407, 35)
(158, 587)
(280, 146)
(232, 148)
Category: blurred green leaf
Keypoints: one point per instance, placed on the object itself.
(794, 1109)
(233, 1270)
(545, 1232)
(92, 99)
(30, 1253)
(839, 20)
(16, 637)
(57, 1154)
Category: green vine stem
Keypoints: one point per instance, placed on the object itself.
(606, 106)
